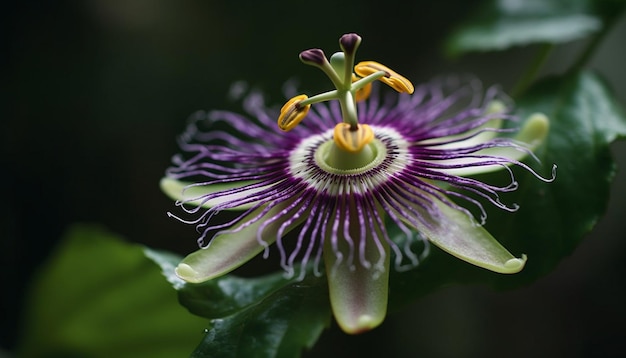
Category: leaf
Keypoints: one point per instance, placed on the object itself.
(269, 316)
(585, 120)
(99, 296)
(553, 217)
(280, 325)
(501, 24)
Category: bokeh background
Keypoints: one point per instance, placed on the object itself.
(95, 92)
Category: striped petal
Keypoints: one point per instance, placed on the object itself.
(358, 286)
(530, 136)
(358, 300)
(196, 195)
(232, 248)
(455, 233)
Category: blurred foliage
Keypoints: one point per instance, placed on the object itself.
(99, 296)
(500, 24)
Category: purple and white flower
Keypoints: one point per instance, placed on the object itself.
(345, 166)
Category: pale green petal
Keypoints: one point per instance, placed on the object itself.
(358, 295)
(456, 234)
(192, 195)
(482, 136)
(230, 250)
(531, 135)
(482, 133)
(535, 130)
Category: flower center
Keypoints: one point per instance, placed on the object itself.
(332, 159)
(323, 166)
(349, 135)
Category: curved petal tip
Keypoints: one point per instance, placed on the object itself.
(514, 265)
(535, 130)
(360, 324)
(187, 273)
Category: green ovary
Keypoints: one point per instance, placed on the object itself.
(335, 160)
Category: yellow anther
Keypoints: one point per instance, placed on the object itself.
(362, 93)
(391, 78)
(350, 139)
(292, 113)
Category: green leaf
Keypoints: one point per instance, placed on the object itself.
(585, 119)
(269, 316)
(553, 217)
(501, 24)
(99, 296)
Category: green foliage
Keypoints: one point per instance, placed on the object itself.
(585, 120)
(269, 316)
(99, 296)
(554, 217)
(500, 24)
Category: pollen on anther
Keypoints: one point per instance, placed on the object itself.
(352, 139)
(292, 113)
(391, 78)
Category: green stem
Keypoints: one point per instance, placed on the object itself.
(533, 70)
(593, 44)
(322, 97)
(369, 79)
(348, 108)
(586, 55)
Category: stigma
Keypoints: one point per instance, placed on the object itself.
(352, 84)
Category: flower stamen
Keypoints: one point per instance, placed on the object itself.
(293, 113)
(349, 89)
(352, 139)
(388, 77)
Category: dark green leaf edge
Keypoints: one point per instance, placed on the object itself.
(268, 316)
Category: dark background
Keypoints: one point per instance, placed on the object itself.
(94, 93)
